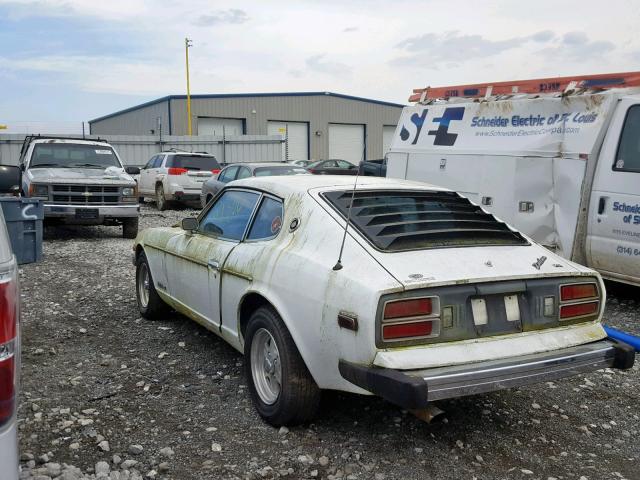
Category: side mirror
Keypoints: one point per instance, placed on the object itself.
(10, 179)
(189, 224)
(132, 170)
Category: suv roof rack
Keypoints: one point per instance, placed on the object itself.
(536, 86)
(29, 138)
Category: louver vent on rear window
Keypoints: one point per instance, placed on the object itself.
(413, 220)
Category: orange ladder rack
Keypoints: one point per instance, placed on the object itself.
(538, 85)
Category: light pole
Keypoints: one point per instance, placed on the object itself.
(188, 43)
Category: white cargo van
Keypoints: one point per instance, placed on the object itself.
(559, 159)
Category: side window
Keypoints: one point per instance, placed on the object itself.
(158, 161)
(150, 162)
(343, 164)
(244, 172)
(330, 164)
(628, 155)
(268, 220)
(228, 174)
(229, 216)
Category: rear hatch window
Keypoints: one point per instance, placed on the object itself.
(402, 220)
(193, 162)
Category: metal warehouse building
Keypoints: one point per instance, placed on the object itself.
(315, 125)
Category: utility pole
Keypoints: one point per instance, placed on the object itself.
(188, 43)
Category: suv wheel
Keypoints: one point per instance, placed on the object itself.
(130, 227)
(283, 391)
(161, 201)
(150, 304)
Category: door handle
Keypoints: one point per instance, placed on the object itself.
(601, 205)
(213, 264)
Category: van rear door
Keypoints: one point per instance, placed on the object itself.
(613, 234)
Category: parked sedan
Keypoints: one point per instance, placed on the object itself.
(245, 170)
(430, 298)
(332, 167)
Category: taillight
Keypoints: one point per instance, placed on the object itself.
(579, 301)
(578, 310)
(177, 171)
(405, 319)
(578, 291)
(408, 308)
(215, 170)
(407, 330)
(8, 345)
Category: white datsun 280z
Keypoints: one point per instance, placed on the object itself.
(434, 298)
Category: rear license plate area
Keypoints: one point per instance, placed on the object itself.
(87, 213)
(496, 314)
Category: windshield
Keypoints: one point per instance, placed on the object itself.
(68, 155)
(268, 171)
(193, 162)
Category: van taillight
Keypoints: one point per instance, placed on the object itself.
(177, 171)
(8, 346)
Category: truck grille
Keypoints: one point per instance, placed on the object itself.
(85, 194)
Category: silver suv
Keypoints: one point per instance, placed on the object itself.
(81, 181)
(9, 356)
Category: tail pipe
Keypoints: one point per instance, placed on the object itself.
(623, 337)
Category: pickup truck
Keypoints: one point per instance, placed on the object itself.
(374, 168)
(82, 182)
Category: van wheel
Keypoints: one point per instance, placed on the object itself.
(130, 227)
(282, 389)
(150, 304)
(161, 201)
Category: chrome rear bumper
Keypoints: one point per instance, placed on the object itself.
(413, 389)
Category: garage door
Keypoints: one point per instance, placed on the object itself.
(297, 136)
(387, 136)
(213, 126)
(346, 141)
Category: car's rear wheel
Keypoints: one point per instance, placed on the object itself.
(150, 304)
(130, 227)
(283, 391)
(161, 201)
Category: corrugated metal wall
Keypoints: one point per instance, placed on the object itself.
(136, 150)
(138, 121)
(317, 110)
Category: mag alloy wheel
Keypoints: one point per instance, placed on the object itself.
(266, 369)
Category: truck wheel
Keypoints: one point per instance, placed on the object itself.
(282, 389)
(140, 199)
(161, 201)
(150, 304)
(130, 227)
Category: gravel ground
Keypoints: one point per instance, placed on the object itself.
(120, 397)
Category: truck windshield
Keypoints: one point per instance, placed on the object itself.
(401, 220)
(195, 162)
(69, 155)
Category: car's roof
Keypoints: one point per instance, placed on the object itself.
(191, 154)
(71, 141)
(284, 186)
(253, 165)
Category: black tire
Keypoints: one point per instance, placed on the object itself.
(155, 307)
(161, 201)
(130, 227)
(140, 199)
(299, 396)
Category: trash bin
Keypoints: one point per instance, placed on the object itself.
(23, 217)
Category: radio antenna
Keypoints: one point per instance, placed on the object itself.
(338, 265)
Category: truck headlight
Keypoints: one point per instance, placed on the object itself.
(39, 190)
(128, 192)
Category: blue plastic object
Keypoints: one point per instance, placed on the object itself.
(23, 217)
(623, 337)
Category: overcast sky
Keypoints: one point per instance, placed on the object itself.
(74, 60)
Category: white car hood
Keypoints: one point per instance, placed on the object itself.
(80, 175)
(442, 266)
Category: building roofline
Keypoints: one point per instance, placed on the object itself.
(244, 95)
